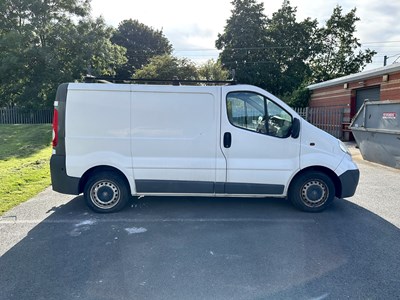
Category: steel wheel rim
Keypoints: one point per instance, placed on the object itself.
(105, 194)
(314, 193)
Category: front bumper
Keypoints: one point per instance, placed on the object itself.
(349, 181)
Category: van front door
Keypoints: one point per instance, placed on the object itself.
(261, 156)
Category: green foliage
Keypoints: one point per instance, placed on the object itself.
(337, 48)
(244, 44)
(292, 45)
(282, 54)
(24, 163)
(142, 43)
(213, 70)
(167, 67)
(45, 43)
(300, 97)
(269, 52)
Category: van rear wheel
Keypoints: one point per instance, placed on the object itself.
(106, 192)
(312, 191)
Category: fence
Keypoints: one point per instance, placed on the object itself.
(327, 119)
(330, 120)
(23, 116)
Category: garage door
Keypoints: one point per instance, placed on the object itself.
(367, 94)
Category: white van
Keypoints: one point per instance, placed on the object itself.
(112, 141)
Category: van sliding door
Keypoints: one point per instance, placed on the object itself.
(174, 139)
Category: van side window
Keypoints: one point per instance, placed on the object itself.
(257, 113)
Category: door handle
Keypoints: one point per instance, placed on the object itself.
(227, 139)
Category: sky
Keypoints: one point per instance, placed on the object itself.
(193, 26)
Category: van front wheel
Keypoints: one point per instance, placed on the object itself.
(312, 191)
(106, 192)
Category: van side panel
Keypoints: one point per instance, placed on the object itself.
(98, 128)
(318, 148)
(174, 139)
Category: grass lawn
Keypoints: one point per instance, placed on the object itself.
(24, 162)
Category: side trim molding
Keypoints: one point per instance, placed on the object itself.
(206, 187)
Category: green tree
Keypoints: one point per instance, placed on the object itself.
(284, 55)
(25, 52)
(44, 43)
(300, 97)
(142, 43)
(337, 55)
(213, 70)
(168, 67)
(244, 44)
(268, 52)
(293, 43)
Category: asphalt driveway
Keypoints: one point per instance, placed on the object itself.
(53, 247)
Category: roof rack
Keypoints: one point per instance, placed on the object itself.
(175, 81)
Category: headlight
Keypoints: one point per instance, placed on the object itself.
(344, 148)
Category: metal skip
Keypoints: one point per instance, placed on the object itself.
(376, 129)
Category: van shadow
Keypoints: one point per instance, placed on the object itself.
(205, 248)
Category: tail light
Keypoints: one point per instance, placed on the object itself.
(55, 126)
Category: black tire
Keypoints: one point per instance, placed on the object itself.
(312, 191)
(106, 192)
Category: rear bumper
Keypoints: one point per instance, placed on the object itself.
(60, 181)
(349, 182)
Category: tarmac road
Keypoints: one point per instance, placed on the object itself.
(53, 247)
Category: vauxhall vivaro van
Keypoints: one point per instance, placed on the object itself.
(113, 141)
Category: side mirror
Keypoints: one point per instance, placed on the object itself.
(295, 128)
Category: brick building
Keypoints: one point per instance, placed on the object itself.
(349, 92)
